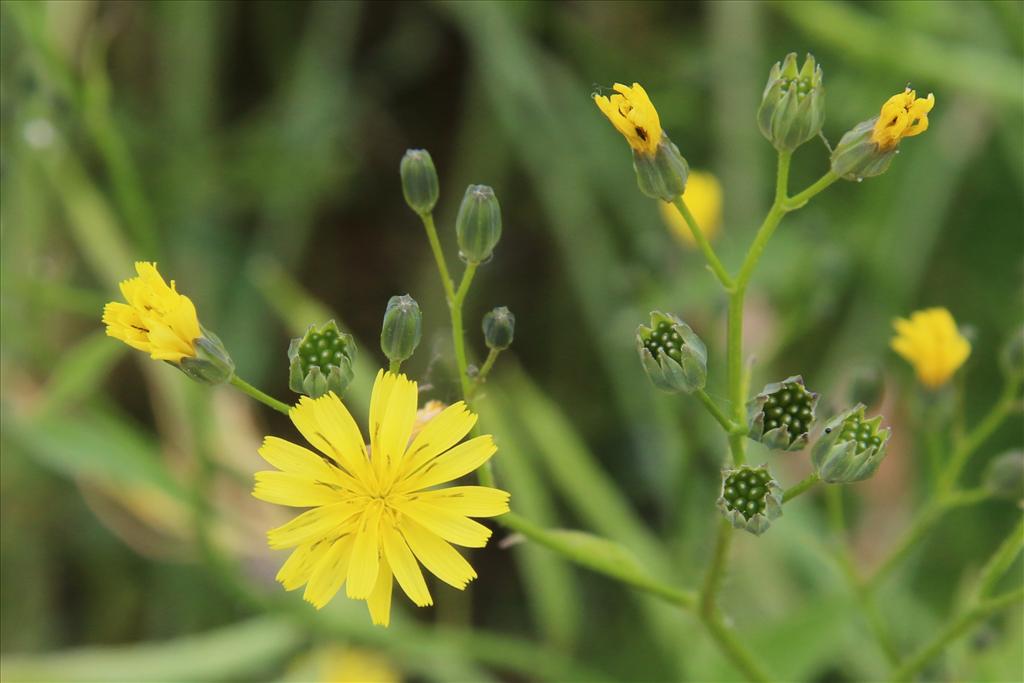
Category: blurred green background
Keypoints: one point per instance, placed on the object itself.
(252, 149)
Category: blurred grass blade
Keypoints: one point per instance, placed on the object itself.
(80, 373)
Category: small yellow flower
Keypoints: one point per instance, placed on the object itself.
(156, 319)
(349, 665)
(931, 342)
(902, 116)
(703, 196)
(375, 512)
(631, 112)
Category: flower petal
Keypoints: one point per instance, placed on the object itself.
(471, 501)
(297, 569)
(362, 571)
(328, 426)
(398, 419)
(460, 460)
(284, 488)
(450, 526)
(329, 572)
(404, 565)
(379, 602)
(294, 459)
(438, 435)
(436, 555)
(326, 520)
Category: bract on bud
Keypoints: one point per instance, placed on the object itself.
(402, 329)
(661, 175)
(478, 223)
(419, 180)
(750, 498)
(851, 447)
(499, 328)
(781, 415)
(321, 361)
(1004, 476)
(672, 355)
(792, 107)
(211, 363)
(1011, 356)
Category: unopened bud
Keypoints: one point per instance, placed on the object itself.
(402, 329)
(1004, 476)
(851, 448)
(792, 107)
(750, 498)
(781, 415)
(661, 175)
(499, 328)
(478, 224)
(321, 361)
(672, 355)
(211, 363)
(419, 181)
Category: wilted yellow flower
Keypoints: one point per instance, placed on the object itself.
(156, 319)
(931, 342)
(631, 112)
(703, 196)
(903, 115)
(375, 512)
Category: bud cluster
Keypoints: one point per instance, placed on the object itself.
(672, 355)
(851, 448)
(750, 498)
(792, 107)
(321, 361)
(782, 414)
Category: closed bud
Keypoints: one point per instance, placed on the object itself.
(781, 416)
(661, 175)
(792, 107)
(419, 181)
(211, 363)
(402, 329)
(321, 361)
(1011, 356)
(1004, 476)
(858, 156)
(750, 498)
(499, 328)
(851, 447)
(478, 224)
(672, 355)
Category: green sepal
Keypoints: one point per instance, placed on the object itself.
(857, 156)
(851, 447)
(681, 364)
(212, 364)
(777, 431)
(792, 109)
(661, 175)
(750, 498)
(321, 361)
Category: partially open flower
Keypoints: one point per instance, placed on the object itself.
(750, 498)
(851, 448)
(782, 414)
(673, 356)
(931, 342)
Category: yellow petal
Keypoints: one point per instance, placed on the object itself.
(460, 460)
(326, 520)
(297, 569)
(450, 526)
(329, 573)
(379, 602)
(404, 565)
(442, 560)
(379, 397)
(471, 501)
(283, 488)
(323, 423)
(438, 435)
(294, 459)
(399, 415)
(362, 571)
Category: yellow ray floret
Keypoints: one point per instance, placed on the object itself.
(931, 342)
(156, 318)
(902, 116)
(375, 515)
(633, 114)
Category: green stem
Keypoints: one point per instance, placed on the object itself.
(715, 411)
(977, 436)
(698, 235)
(954, 630)
(734, 650)
(255, 393)
(394, 366)
(485, 370)
(716, 569)
(1001, 561)
(804, 485)
(457, 337)
(435, 247)
(798, 200)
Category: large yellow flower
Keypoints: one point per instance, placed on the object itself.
(902, 116)
(156, 319)
(375, 513)
(931, 342)
(703, 196)
(633, 114)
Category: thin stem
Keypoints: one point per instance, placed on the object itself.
(435, 247)
(733, 649)
(457, 337)
(715, 411)
(979, 435)
(798, 200)
(716, 569)
(1001, 560)
(485, 370)
(394, 366)
(698, 235)
(794, 491)
(734, 360)
(255, 393)
(954, 630)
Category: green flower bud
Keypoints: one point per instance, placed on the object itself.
(499, 328)
(858, 156)
(851, 447)
(1004, 476)
(1011, 356)
(661, 175)
(402, 329)
(478, 224)
(672, 355)
(750, 498)
(792, 107)
(321, 361)
(781, 415)
(419, 180)
(211, 364)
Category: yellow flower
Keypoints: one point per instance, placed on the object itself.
(903, 115)
(349, 665)
(631, 112)
(156, 319)
(376, 512)
(703, 196)
(931, 342)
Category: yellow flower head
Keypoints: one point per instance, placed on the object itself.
(156, 319)
(931, 342)
(631, 112)
(903, 115)
(703, 196)
(376, 513)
